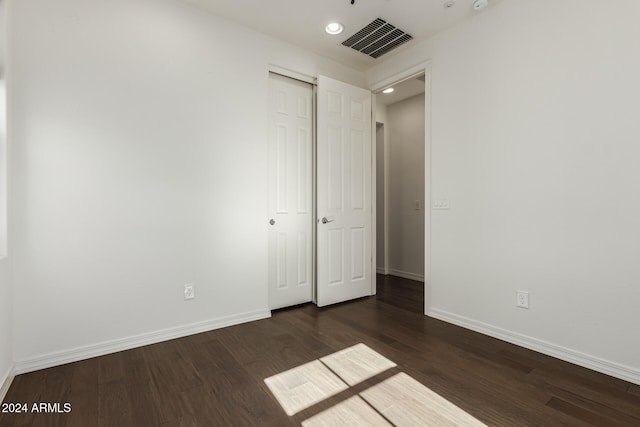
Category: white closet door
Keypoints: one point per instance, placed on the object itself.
(344, 223)
(290, 192)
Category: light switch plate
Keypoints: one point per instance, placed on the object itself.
(440, 204)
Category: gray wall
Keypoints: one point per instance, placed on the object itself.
(380, 196)
(406, 186)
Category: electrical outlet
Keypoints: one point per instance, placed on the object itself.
(189, 291)
(522, 299)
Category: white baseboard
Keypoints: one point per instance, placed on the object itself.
(607, 367)
(6, 383)
(113, 346)
(406, 275)
(380, 270)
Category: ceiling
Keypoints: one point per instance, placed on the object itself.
(302, 22)
(401, 91)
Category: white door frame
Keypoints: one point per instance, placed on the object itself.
(425, 68)
(385, 193)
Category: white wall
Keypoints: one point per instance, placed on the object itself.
(382, 188)
(140, 144)
(380, 161)
(406, 185)
(6, 288)
(535, 143)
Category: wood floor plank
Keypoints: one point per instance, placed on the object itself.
(589, 417)
(144, 405)
(114, 405)
(617, 413)
(84, 388)
(584, 386)
(110, 368)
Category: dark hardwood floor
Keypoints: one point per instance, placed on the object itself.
(217, 378)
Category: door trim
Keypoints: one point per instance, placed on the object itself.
(293, 74)
(374, 201)
(396, 78)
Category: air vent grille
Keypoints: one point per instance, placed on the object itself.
(377, 38)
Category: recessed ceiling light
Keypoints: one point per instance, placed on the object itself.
(334, 28)
(388, 90)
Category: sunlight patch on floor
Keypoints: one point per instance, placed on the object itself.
(399, 400)
(304, 386)
(351, 412)
(358, 363)
(406, 402)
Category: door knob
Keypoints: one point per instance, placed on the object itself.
(272, 221)
(326, 221)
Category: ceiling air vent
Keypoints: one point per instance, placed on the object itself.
(377, 38)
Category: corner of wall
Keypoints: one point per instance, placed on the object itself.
(7, 368)
(5, 382)
(585, 360)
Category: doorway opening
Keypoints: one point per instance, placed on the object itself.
(402, 188)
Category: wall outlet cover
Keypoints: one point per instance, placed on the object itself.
(522, 299)
(189, 291)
